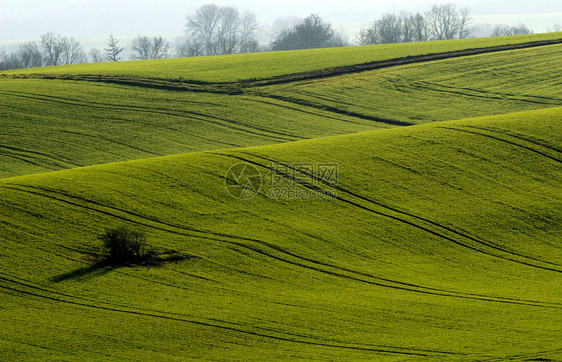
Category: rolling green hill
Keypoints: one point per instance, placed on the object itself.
(337, 204)
(442, 242)
(233, 68)
(54, 124)
(448, 89)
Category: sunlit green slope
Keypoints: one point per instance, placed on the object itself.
(478, 85)
(442, 243)
(265, 65)
(50, 124)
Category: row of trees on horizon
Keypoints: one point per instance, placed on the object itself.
(218, 30)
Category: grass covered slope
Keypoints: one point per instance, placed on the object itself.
(471, 86)
(442, 243)
(233, 68)
(52, 124)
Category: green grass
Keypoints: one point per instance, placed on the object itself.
(51, 124)
(443, 90)
(265, 65)
(442, 244)
(55, 124)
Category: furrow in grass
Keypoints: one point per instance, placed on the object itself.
(408, 222)
(407, 287)
(358, 68)
(76, 144)
(305, 103)
(517, 145)
(448, 228)
(219, 237)
(223, 122)
(519, 137)
(26, 152)
(16, 288)
(267, 100)
(26, 160)
(100, 137)
(309, 341)
(466, 92)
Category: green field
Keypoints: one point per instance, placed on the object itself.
(232, 68)
(440, 241)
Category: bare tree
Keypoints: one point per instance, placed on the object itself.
(202, 26)
(59, 50)
(227, 36)
(113, 50)
(188, 47)
(150, 48)
(9, 61)
(142, 47)
(463, 22)
(389, 29)
(392, 28)
(30, 55)
(53, 48)
(73, 52)
(367, 36)
(160, 48)
(96, 56)
(421, 30)
(443, 21)
(505, 30)
(248, 26)
(555, 28)
(222, 30)
(408, 27)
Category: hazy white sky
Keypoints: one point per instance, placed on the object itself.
(28, 19)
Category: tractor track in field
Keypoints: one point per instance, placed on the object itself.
(519, 137)
(405, 221)
(19, 288)
(238, 87)
(512, 143)
(477, 93)
(26, 161)
(267, 99)
(318, 266)
(334, 110)
(221, 122)
(23, 151)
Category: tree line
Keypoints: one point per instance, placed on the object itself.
(441, 22)
(218, 30)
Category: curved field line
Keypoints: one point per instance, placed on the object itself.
(337, 71)
(236, 87)
(218, 237)
(222, 122)
(305, 103)
(399, 219)
(161, 315)
(25, 152)
(518, 145)
(441, 88)
(266, 99)
(314, 177)
(26, 161)
(516, 136)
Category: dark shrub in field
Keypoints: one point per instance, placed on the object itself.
(126, 246)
